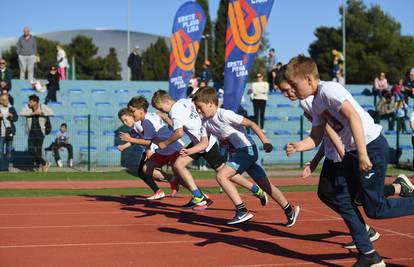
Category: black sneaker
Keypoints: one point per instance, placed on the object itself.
(241, 216)
(369, 260)
(407, 188)
(195, 202)
(292, 217)
(373, 236)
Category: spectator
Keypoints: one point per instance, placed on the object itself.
(338, 58)
(339, 78)
(270, 64)
(62, 140)
(53, 85)
(335, 67)
(409, 86)
(398, 88)
(400, 113)
(206, 73)
(37, 120)
(62, 62)
(386, 110)
(26, 49)
(380, 86)
(260, 90)
(274, 71)
(135, 64)
(412, 130)
(8, 116)
(5, 91)
(193, 81)
(6, 74)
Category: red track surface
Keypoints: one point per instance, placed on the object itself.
(125, 231)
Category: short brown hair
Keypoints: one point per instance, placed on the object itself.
(139, 102)
(206, 95)
(160, 96)
(281, 75)
(301, 66)
(124, 112)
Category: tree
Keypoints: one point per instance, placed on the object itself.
(207, 31)
(85, 51)
(111, 67)
(156, 61)
(374, 44)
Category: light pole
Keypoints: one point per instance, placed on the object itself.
(344, 38)
(129, 36)
(205, 45)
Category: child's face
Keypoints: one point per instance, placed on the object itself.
(207, 110)
(139, 113)
(127, 120)
(302, 86)
(163, 106)
(62, 129)
(287, 91)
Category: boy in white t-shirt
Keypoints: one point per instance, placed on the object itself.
(229, 128)
(186, 119)
(366, 153)
(127, 118)
(153, 130)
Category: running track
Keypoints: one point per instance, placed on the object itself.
(126, 231)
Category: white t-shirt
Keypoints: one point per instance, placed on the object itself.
(226, 126)
(153, 128)
(184, 115)
(412, 119)
(326, 106)
(330, 150)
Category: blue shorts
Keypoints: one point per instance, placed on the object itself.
(244, 160)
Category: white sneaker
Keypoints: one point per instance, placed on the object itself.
(203, 168)
(59, 163)
(158, 195)
(70, 162)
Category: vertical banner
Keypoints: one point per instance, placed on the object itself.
(188, 28)
(246, 24)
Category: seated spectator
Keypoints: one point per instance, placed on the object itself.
(400, 113)
(409, 86)
(62, 140)
(339, 78)
(386, 110)
(380, 86)
(8, 116)
(53, 85)
(5, 91)
(398, 88)
(6, 74)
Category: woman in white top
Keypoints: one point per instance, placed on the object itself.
(260, 89)
(380, 86)
(62, 62)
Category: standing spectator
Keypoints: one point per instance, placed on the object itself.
(380, 86)
(270, 64)
(409, 86)
(37, 118)
(62, 140)
(62, 62)
(5, 91)
(206, 73)
(26, 49)
(339, 78)
(386, 110)
(260, 90)
(400, 111)
(6, 74)
(53, 85)
(338, 58)
(8, 116)
(135, 64)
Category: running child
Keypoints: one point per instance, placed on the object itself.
(229, 128)
(186, 120)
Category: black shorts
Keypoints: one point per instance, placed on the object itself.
(213, 157)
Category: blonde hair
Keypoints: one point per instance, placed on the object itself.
(300, 66)
(160, 96)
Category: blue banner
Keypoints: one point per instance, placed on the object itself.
(246, 24)
(188, 28)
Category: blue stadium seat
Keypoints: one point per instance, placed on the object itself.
(54, 132)
(57, 117)
(109, 133)
(54, 104)
(144, 91)
(282, 132)
(98, 91)
(276, 92)
(268, 105)
(285, 105)
(272, 118)
(79, 104)
(121, 91)
(293, 118)
(405, 147)
(105, 118)
(390, 132)
(80, 117)
(356, 94)
(102, 104)
(123, 104)
(27, 89)
(85, 132)
(75, 91)
(111, 148)
(85, 149)
(367, 106)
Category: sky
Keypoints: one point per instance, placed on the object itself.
(291, 23)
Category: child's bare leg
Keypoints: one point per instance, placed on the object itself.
(224, 174)
(180, 166)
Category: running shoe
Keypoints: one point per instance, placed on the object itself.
(241, 216)
(158, 195)
(407, 188)
(175, 186)
(369, 260)
(196, 203)
(373, 236)
(293, 216)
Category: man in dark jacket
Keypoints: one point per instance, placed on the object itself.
(6, 74)
(8, 116)
(135, 64)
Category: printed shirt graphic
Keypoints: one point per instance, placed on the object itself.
(184, 115)
(326, 106)
(226, 126)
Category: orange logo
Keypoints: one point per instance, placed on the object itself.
(245, 42)
(180, 43)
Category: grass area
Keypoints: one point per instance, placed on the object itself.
(83, 176)
(123, 191)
